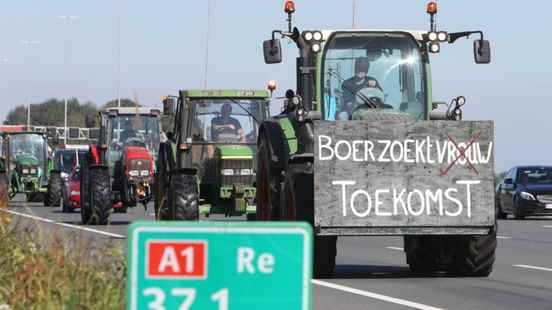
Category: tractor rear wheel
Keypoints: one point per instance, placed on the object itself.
(182, 200)
(268, 184)
(55, 187)
(472, 256)
(160, 183)
(423, 253)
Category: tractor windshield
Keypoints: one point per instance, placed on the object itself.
(132, 130)
(28, 150)
(226, 121)
(66, 160)
(379, 70)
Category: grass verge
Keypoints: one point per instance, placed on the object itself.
(43, 270)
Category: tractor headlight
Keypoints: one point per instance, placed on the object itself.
(434, 47)
(246, 172)
(144, 173)
(307, 35)
(134, 173)
(317, 36)
(316, 47)
(432, 36)
(526, 196)
(25, 171)
(33, 170)
(227, 171)
(442, 36)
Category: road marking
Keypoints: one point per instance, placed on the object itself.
(503, 237)
(533, 267)
(394, 248)
(45, 220)
(547, 226)
(377, 296)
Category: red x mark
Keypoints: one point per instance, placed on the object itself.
(462, 154)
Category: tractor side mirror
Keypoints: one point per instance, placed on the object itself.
(272, 50)
(508, 181)
(168, 106)
(482, 51)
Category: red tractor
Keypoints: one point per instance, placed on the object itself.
(119, 170)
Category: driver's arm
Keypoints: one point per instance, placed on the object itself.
(241, 133)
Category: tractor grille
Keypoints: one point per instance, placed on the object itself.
(241, 171)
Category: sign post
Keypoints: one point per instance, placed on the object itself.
(219, 266)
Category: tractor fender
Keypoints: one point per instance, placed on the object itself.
(279, 149)
(94, 154)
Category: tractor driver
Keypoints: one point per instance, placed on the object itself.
(359, 81)
(226, 123)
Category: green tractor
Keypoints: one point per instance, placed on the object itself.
(207, 164)
(27, 164)
(361, 87)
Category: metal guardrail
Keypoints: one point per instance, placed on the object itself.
(73, 133)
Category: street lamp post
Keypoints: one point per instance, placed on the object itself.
(67, 18)
(28, 43)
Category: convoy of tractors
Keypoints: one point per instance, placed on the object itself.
(225, 153)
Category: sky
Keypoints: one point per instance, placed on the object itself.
(163, 48)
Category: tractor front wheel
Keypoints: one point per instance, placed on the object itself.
(98, 209)
(423, 253)
(325, 250)
(182, 200)
(55, 188)
(35, 197)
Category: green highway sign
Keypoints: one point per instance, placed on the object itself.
(219, 265)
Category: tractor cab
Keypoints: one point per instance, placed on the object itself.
(27, 163)
(215, 134)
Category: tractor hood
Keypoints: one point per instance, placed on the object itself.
(235, 151)
(27, 160)
(137, 152)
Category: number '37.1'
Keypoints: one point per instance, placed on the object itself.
(189, 295)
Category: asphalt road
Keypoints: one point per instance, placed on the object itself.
(372, 272)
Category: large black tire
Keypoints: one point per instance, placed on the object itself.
(161, 181)
(325, 250)
(35, 197)
(423, 253)
(471, 256)
(85, 206)
(54, 194)
(182, 199)
(299, 202)
(129, 200)
(99, 195)
(268, 184)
